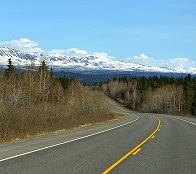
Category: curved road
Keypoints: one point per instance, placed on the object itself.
(139, 143)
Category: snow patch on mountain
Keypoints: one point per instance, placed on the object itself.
(80, 60)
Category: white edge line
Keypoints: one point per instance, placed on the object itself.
(185, 121)
(179, 119)
(22, 154)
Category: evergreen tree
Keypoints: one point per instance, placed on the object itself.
(43, 69)
(65, 82)
(11, 69)
(193, 111)
(44, 80)
(51, 73)
(188, 93)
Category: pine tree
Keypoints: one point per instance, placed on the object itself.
(11, 69)
(65, 82)
(51, 73)
(188, 93)
(194, 98)
(44, 80)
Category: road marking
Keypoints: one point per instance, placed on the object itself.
(153, 136)
(58, 144)
(184, 120)
(133, 150)
(174, 117)
(137, 151)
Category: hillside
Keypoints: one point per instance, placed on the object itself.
(88, 63)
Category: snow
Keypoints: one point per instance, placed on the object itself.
(83, 61)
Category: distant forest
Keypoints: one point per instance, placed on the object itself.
(155, 94)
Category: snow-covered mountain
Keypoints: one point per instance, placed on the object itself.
(80, 63)
(18, 57)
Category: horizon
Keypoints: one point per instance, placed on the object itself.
(149, 33)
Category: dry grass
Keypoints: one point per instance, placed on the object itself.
(35, 104)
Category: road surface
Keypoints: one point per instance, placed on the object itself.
(139, 143)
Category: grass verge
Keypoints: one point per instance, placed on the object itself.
(113, 117)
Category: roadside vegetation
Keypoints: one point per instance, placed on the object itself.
(162, 94)
(35, 102)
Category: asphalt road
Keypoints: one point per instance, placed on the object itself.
(139, 143)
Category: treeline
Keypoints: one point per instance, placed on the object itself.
(155, 94)
(35, 102)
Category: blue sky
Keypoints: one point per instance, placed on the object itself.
(147, 31)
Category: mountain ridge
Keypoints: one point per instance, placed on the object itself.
(80, 63)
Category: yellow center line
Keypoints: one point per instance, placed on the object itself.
(133, 150)
(137, 151)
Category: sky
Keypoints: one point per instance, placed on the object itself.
(153, 32)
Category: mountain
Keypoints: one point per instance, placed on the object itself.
(88, 63)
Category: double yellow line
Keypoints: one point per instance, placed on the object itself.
(135, 150)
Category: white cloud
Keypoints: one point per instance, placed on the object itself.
(76, 51)
(175, 63)
(180, 62)
(29, 46)
(68, 52)
(23, 44)
(102, 55)
(79, 53)
(143, 59)
(56, 52)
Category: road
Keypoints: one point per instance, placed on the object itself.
(139, 143)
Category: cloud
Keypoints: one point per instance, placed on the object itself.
(143, 59)
(29, 46)
(23, 44)
(68, 52)
(76, 51)
(56, 52)
(180, 62)
(175, 63)
(102, 55)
